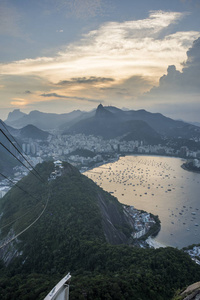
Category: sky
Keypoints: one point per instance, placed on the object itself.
(62, 55)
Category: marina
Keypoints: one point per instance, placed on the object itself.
(160, 186)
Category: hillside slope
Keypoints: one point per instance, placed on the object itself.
(161, 124)
(75, 204)
(32, 132)
(7, 161)
(111, 122)
(111, 125)
(82, 230)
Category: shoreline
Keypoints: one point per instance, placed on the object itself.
(154, 244)
(151, 240)
(184, 167)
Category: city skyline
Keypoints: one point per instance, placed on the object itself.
(62, 55)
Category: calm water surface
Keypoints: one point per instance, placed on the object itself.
(158, 185)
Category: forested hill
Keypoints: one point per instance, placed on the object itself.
(83, 230)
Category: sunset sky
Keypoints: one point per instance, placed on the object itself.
(61, 55)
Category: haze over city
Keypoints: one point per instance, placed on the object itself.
(57, 56)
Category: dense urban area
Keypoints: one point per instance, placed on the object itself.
(194, 252)
(85, 152)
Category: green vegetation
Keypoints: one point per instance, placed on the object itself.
(70, 237)
(154, 230)
(190, 167)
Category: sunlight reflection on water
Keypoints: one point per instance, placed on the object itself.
(158, 185)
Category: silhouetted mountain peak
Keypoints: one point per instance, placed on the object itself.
(15, 115)
(100, 106)
(31, 131)
(34, 112)
(101, 112)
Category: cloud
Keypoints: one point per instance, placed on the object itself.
(115, 63)
(193, 56)
(129, 88)
(85, 80)
(133, 47)
(185, 82)
(18, 102)
(178, 91)
(55, 95)
(17, 84)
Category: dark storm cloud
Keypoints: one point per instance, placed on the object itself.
(178, 92)
(187, 81)
(71, 98)
(194, 54)
(85, 80)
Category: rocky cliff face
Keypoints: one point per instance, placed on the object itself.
(9, 251)
(192, 292)
(116, 225)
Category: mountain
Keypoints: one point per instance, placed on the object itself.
(4, 129)
(16, 114)
(32, 132)
(110, 122)
(44, 121)
(162, 125)
(195, 123)
(68, 195)
(102, 113)
(78, 227)
(17, 137)
(7, 161)
(84, 115)
(80, 122)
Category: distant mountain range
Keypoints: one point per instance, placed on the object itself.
(45, 121)
(31, 132)
(27, 132)
(109, 122)
(195, 123)
(7, 161)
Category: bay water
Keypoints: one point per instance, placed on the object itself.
(158, 185)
